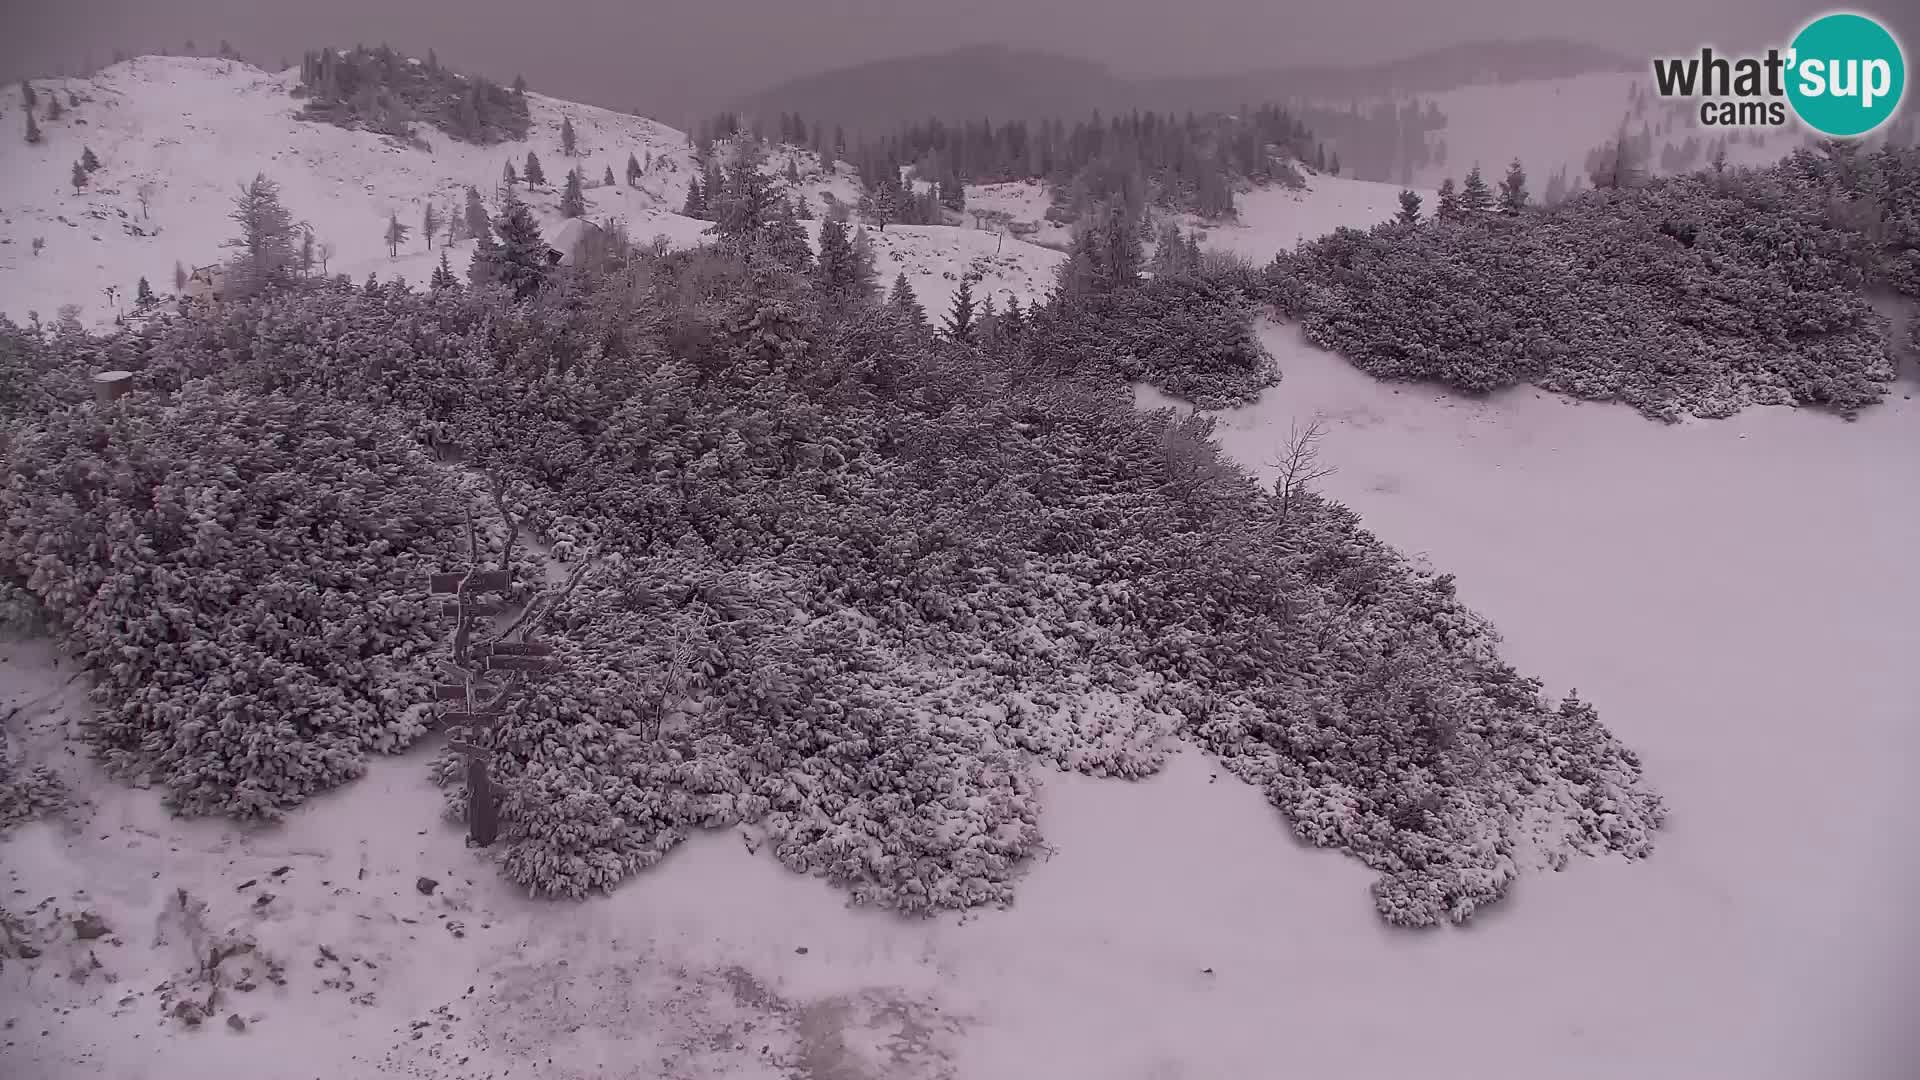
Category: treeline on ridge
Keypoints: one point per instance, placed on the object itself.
(382, 91)
(1192, 162)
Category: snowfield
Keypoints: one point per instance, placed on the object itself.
(1737, 598)
(1273, 219)
(189, 131)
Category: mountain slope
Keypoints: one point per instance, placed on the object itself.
(176, 136)
(188, 131)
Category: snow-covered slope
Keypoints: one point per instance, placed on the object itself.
(1274, 219)
(176, 136)
(190, 130)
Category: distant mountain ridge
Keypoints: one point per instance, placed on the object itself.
(1003, 83)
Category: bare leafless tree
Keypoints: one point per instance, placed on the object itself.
(1299, 464)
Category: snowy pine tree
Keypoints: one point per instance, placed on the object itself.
(534, 174)
(1409, 209)
(1513, 189)
(695, 205)
(746, 204)
(88, 161)
(1475, 196)
(1012, 322)
(267, 244)
(568, 144)
(607, 180)
(1448, 208)
(430, 224)
(959, 325)
(902, 300)
(143, 295)
(507, 176)
(786, 239)
(79, 176)
(442, 275)
(476, 214)
(522, 259)
(834, 273)
(573, 200)
(633, 171)
(395, 235)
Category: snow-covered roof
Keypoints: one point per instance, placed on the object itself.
(566, 237)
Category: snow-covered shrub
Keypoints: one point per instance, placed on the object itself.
(1189, 336)
(1696, 294)
(20, 610)
(854, 585)
(245, 577)
(29, 793)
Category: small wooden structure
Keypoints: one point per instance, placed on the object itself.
(207, 282)
(108, 385)
(485, 675)
(574, 241)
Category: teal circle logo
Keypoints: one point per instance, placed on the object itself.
(1847, 74)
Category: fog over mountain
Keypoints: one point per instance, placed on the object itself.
(1000, 83)
(677, 60)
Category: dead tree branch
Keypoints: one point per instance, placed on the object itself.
(1299, 465)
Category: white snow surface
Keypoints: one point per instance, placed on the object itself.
(192, 130)
(1274, 218)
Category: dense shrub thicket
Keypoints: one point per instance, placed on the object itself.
(1695, 294)
(242, 574)
(28, 793)
(1190, 336)
(385, 92)
(854, 581)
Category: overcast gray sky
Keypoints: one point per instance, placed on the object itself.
(667, 57)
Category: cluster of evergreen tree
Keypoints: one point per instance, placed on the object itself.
(1385, 142)
(1701, 293)
(1189, 162)
(383, 91)
(1473, 196)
